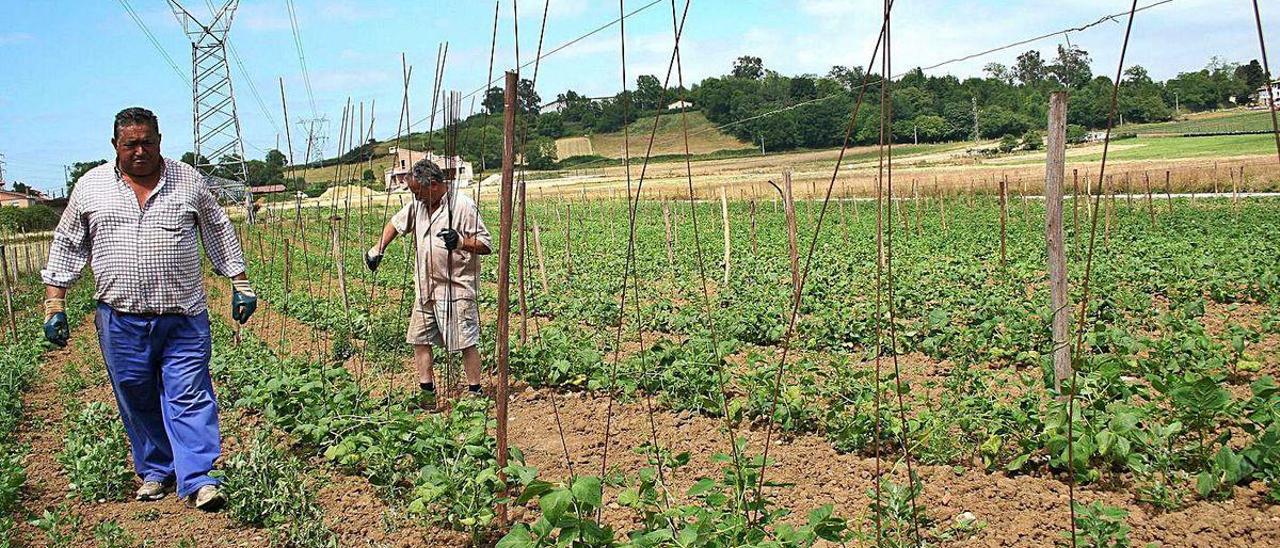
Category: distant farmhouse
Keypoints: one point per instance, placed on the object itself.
(680, 105)
(17, 199)
(1268, 95)
(454, 167)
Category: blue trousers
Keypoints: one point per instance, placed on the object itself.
(159, 370)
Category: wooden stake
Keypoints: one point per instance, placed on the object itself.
(1055, 172)
(1075, 200)
(568, 238)
(793, 248)
(542, 261)
(724, 215)
(504, 276)
(8, 294)
(1151, 208)
(666, 222)
(755, 246)
(1004, 217)
(1168, 190)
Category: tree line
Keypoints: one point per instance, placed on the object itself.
(761, 106)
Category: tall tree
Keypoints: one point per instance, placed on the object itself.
(1071, 67)
(78, 170)
(749, 67)
(649, 92)
(999, 72)
(1030, 68)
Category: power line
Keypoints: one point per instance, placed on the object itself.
(302, 56)
(155, 43)
(486, 86)
(252, 88)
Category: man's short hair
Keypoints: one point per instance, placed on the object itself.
(134, 116)
(425, 171)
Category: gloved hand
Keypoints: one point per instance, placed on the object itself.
(451, 238)
(373, 258)
(56, 329)
(243, 300)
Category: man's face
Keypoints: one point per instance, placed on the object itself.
(428, 191)
(137, 150)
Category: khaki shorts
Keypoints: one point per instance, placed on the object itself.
(462, 319)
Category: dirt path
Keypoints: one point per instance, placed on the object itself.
(165, 523)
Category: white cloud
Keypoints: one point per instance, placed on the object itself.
(348, 81)
(828, 8)
(262, 17)
(10, 38)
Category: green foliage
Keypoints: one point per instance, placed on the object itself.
(1100, 526)
(267, 487)
(95, 454)
(1226, 469)
(540, 153)
(35, 218)
(110, 534)
(722, 512)
(60, 525)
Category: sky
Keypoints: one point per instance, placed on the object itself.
(67, 66)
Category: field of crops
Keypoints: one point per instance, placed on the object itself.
(1176, 439)
(1238, 121)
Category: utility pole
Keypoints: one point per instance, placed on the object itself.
(219, 150)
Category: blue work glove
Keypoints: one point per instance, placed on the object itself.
(372, 259)
(243, 300)
(451, 238)
(56, 328)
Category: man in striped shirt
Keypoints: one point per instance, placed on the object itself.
(134, 223)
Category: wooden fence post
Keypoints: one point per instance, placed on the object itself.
(792, 245)
(504, 274)
(1004, 215)
(542, 261)
(1151, 207)
(755, 246)
(1055, 172)
(724, 216)
(666, 222)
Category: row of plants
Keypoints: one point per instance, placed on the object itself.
(20, 360)
(441, 468)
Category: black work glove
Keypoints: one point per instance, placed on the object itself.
(451, 238)
(243, 300)
(372, 259)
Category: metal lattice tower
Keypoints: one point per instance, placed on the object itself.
(219, 151)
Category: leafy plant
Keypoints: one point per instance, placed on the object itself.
(60, 525)
(1100, 526)
(1226, 469)
(110, 534)
(95, 454)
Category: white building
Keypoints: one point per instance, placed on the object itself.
(455, 168)
(1268, 93)
(680, 105)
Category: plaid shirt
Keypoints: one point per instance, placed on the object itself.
(144, 260)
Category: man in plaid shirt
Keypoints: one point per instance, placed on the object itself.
(134, 223)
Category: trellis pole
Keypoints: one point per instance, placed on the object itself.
(1055, 171)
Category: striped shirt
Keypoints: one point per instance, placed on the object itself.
(144, 260)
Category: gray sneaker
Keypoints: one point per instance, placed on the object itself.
(154, 490)
(208, 498)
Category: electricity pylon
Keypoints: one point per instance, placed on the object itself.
(219, 151)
